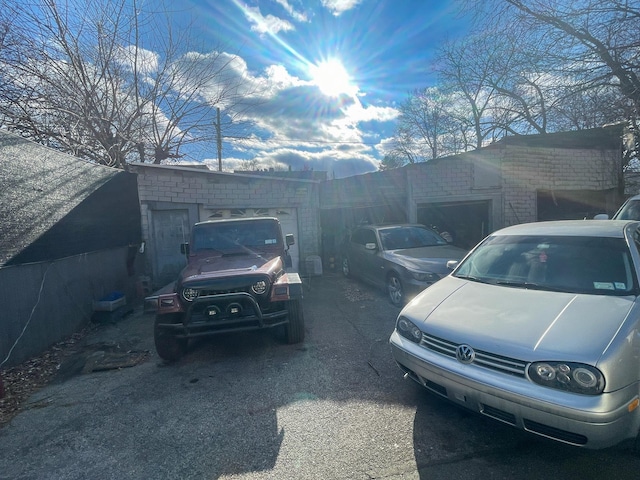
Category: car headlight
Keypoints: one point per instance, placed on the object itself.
(569, 376)
(425, 276)
(190, 294)
(408, 329)
(259, 287)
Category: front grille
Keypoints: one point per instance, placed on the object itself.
(493, 361)
(555, 433)
(205, 292)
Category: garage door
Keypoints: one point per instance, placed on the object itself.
(287, 216)
(466, 222)
(170, 229)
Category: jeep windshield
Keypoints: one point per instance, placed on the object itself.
(234, 237)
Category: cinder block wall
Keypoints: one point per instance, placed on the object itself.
(508, 176)
(528, 169)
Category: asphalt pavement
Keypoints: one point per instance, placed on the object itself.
(249, 406)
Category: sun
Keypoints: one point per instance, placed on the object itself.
(332, 78)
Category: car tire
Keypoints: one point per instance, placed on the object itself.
(294, 330)
(346, 269)
(168, 346)
(395, 290)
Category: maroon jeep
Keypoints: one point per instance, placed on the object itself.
(235, 280)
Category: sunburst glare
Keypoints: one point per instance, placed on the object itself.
(332, 78)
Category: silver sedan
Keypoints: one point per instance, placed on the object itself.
(403, 259)
(538, 327)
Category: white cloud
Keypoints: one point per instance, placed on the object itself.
(358, 113)
(269, 24)
(296, 126)
(337, 7)
(297, 16)
(146, 61)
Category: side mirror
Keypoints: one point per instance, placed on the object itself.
(452, 264)
(288, 238)
(184, 248)
(371, 246)
(601, 216)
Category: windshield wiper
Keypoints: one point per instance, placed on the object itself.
(529, 285)
(472, 278)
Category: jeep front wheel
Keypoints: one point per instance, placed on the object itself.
(168, 347)
(294, 330)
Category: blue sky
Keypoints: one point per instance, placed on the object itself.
(331, 73)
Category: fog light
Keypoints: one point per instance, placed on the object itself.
(234, 309)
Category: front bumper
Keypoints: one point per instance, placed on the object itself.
(232, 312)
(587, 421)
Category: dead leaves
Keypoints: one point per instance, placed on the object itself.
(22, 381)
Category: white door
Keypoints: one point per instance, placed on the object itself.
(288, 220)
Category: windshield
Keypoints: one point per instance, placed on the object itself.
(573, 264)
(629, 211)
(395, 238)
(231, 236)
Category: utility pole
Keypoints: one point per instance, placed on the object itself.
(219, 139)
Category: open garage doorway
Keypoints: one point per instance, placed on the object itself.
(576, 204)
(467, 222)
(337, 223)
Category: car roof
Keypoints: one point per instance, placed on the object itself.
(579, 228)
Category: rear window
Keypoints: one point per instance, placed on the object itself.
(572, 264)
(396, 238)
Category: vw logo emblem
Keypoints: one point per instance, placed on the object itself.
(465, 354)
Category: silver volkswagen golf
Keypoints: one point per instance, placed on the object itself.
(538, 327)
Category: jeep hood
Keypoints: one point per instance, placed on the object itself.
(230, 264)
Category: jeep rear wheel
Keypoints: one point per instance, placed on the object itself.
(294, 330)
(168, 346)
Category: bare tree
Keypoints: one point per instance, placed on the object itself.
(428, 127)
(597, 40)
(527, 66)
(89, 85)
(390, 161)
(463, 68)
(582, 59)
